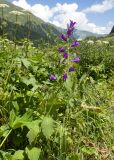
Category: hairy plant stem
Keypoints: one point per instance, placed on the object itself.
(5, 138)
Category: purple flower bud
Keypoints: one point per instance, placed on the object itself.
(71, 69)
(65, 55)
(75, 43)
(77, 59)
(61, 49)
(64, 38)
(52, 77)
(72, 24)
(65, 76)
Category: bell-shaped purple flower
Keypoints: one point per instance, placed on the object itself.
(61, 49)
(69, 32)
(63, 37)
(77, 59)
(52, 77)
(71, 69)
(65, 76)
(75, 43)
(65, 55)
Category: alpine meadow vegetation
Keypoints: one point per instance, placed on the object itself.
(56, 99)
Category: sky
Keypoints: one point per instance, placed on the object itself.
(91, 15)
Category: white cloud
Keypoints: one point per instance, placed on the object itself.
(60, 15)
(44, 12)
(101, 8)
(22, 3)
(98, 29)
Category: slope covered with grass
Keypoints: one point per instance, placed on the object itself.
(25, 25)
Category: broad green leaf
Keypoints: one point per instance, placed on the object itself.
(33, 153)
(18, 155)
(34, 130)
(25, 62)
(30, 81)
(47, 126)
(6, 156)
(68, 84)
(4, 130)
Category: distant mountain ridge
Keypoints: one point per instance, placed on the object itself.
(84, 34)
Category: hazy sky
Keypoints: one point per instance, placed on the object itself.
(91, 15)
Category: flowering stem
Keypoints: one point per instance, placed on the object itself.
(28, 24)
(2, 13)
(2, 20)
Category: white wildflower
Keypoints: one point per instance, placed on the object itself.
(106, 42)
(99, 41)
(90, 42)
(3, 5)
(79, 39)
(27, 10)
(16, 13)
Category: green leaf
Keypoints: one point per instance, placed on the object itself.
(89, 150)
(18, 155)
(113, 148)
(47, 127)
(12, 118)
(33, 154)
(17, 121)
(68, 84)
(30, 81)
(73, 157)
(16, 106)
(25, 62)
(4, 129)
(34, 130)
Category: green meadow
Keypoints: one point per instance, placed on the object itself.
(57, 118)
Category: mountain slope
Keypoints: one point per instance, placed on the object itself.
(112, 31)
(26, 25)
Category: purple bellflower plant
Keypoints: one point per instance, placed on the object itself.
(66, 55)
